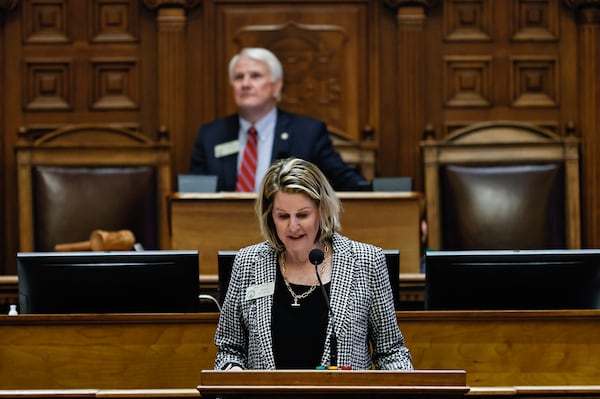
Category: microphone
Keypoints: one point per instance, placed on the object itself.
(316, 257)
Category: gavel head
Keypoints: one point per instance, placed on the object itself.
(120, 240)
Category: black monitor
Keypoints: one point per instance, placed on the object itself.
(225, 264)
(158, 281)
(392, 257)
(512, 280)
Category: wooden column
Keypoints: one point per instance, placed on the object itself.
(588, 21)
(410, 94)
(171, 58)
(172, 75)
(7, 215)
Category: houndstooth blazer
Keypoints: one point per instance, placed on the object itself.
(361, 301)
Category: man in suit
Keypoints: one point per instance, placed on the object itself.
(256, 77)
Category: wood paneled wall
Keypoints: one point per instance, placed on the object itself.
(379, 72)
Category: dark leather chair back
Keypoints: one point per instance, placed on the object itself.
(503, 207)
(87, 177)
(502, 185)
(106, 198)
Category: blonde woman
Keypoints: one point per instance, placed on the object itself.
(277, 315)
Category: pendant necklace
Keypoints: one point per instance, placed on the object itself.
(306, 293)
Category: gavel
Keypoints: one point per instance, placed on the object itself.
(101, 240)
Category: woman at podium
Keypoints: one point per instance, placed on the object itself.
(307, 297)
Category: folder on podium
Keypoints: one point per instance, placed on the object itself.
(348, 384)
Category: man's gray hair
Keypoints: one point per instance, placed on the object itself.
(262, 55)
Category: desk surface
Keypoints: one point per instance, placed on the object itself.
(350, 384)
(210, 222)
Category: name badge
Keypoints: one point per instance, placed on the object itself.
(228, 148)
(260, 290)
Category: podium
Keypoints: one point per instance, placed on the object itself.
(347, 384)
(210, 222)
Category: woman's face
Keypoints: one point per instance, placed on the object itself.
(296, 218)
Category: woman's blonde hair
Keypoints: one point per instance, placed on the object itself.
(294, 175)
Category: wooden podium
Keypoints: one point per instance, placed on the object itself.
(372, 384)
(210, 222)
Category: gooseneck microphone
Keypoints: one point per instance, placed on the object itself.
(316, 257)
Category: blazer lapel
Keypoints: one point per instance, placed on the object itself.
(266, 272)
(341, 283)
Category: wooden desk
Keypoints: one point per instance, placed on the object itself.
(226, 221)
(495, 348)
(187, 393)
(105, 351)
(507, 348)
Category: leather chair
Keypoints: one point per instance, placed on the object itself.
(502, 185)
(81, 178)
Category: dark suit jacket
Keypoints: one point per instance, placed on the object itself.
(307, 138)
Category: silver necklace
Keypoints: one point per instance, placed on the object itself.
(306, 293)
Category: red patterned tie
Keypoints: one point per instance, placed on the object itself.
(245, 180)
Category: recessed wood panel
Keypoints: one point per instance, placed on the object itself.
(467, 81)
(534, 81)
(114, 21)
(47, 85)
(467, 20)
(115, 84)
(535, 20)
(45, 21)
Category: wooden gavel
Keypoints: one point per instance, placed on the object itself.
(101, 240)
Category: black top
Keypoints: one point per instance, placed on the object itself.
(298, 332)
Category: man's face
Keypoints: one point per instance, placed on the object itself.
(253, 90)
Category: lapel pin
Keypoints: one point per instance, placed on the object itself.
(284, 136)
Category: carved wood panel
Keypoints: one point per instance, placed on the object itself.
(535, 20)
(503, 60)
(48, 85)
(115, 84)
(468, 20)
(534, 81)
(468, 81)
(45, 22)
(114, 21)
(322, 49)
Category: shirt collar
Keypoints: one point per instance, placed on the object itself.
(265, 126)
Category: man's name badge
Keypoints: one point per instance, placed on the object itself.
(228, 148)
(260, 290)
